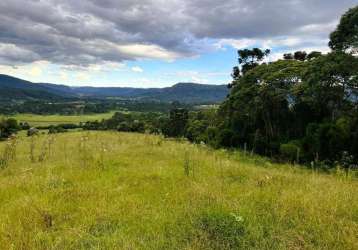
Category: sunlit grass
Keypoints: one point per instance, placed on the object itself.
(108, 190)
(45, 120)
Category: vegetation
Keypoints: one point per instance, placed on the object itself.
(47, 120)
(110, 190)
(84, 107)
(345, 37)
(303, 109)
(312, 101)
(9, 127)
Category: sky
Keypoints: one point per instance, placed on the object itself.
(154, 43)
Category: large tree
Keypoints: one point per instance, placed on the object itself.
(345, 37)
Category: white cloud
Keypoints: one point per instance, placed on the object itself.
(142, 51)
(236, 43)
(137, 69)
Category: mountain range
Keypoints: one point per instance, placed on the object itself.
(12, 88)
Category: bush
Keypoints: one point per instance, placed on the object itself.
(68, 126)
(195, 131)
(224, 230)
(289, 151)
(225, 138)
(56, 129)
(8, 127)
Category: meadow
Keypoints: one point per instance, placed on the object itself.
(110, 190)
(47, 120)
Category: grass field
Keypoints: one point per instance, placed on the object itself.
(45, 120)
(108, 190)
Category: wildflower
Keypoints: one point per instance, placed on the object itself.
(238, 218)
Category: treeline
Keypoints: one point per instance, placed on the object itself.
(302, 108)
(127, 122)
(180, 122)
(85, 106)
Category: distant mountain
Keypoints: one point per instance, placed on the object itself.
(14, 88)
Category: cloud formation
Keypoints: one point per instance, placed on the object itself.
(89, 32)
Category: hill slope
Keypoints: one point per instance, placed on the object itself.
(108, 190)
(14, 88)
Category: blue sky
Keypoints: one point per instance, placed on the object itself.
(154, 43)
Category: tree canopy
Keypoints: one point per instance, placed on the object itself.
(345, 37)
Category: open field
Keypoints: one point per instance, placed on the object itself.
(108, 190)
(45, 120)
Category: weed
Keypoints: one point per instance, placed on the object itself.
(83, 148)
(32, 148)
(9, 153)
(104, 227)
(222, 229)
(186, 163)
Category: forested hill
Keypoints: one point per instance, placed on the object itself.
(18, 89)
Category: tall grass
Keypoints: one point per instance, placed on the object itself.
(107, 190)
(9, 152)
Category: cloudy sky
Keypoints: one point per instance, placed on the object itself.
(153, 43)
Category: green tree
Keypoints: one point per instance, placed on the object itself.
(300, 55)
(345, 37)
(177, 122)
(330, 84)
(249, 59)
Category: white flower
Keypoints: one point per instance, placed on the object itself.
(238, 218)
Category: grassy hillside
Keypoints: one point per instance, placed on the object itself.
(105, 190)
(45, 120)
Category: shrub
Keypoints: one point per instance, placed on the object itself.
(225, 138)
(211, 136)
(56, 129)
(289, 151)
(195, 131)
(8, 127)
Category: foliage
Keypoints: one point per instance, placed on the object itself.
(289, 151)
(345, 37)
(311, 99)
(84, 106)
(8, 127)
(126, 122)
(249, 59)
(177, 122)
